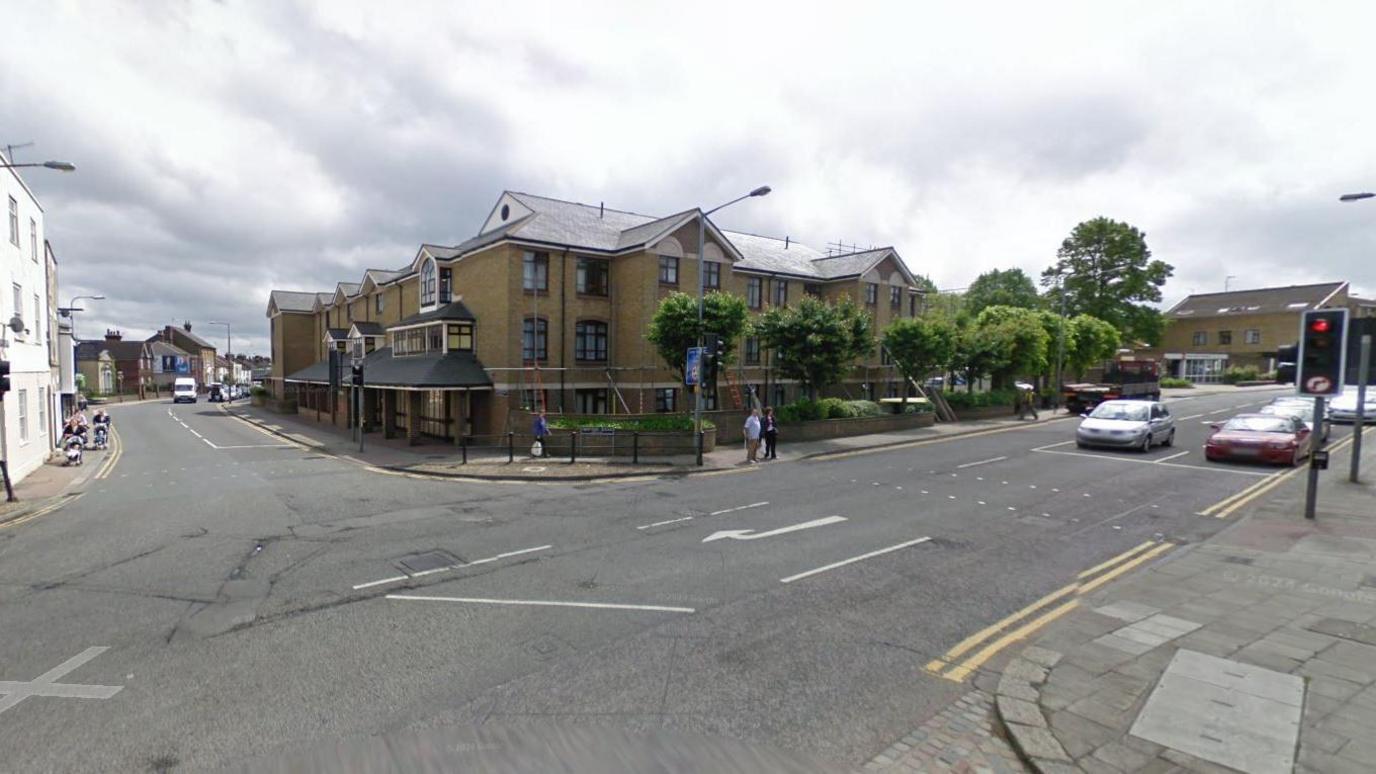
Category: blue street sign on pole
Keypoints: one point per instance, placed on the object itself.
(691, 366)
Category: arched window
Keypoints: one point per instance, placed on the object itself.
(427, 282)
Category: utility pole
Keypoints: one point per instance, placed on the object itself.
(1363, 376)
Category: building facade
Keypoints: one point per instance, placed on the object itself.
(203, 366)
(115, 366)
(548, 307)
(28, 342)
(1207, 333)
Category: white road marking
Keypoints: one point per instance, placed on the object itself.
(852, 560)
(662, 523)
(1173, 456)
(1195, 468)
(981, 462)
(422, 573)
(1220, 411)
(1011, 508)
(1192, 416)
(46, 684)
(544, 603)
(980, 502)
(1053, 445)
(951, 497)
(738, 508)
(750, 534)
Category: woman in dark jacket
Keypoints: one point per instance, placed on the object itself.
(769, 428)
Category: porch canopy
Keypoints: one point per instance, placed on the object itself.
(434, 371)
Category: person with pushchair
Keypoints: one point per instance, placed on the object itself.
(101, 424)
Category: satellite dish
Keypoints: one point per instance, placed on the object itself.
(17, 324)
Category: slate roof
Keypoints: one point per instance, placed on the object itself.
(159, 348)
(339, 334)
(293, 300)
(1291, 299)
(119, 350)
(350, 288)
(850, 264)
(366, 328)
(380, 369)
(451, 311)
(195, 339)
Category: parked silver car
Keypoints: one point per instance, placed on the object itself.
(1344, 407)
(1133, 424)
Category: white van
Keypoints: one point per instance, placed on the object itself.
(184, 389)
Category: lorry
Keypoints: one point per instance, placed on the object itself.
(1123, 379)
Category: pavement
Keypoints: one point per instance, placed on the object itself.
(1254, 651)
(225, 597)
(444, 459)
(54, 484)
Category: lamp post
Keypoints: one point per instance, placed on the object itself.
(227, 341)
(60, 166)
(702, 286)
(71, 308)
(1363, 376)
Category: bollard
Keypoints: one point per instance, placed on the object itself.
(510, 447)
(463, 447)
(573, 447)
(635, 448)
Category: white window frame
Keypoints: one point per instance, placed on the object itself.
(18, 305)
(22, 394)
(43, 411)
(429, 283)
(33, 239)
(14, 221)
(1251, 336)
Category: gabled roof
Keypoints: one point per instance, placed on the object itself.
(348, 288)
(1291, 299)
(452, 311)
(159, 348)
(858, 264)
(183, 332)
(366, 328)
(649, 233)
(119, 350)
(292, 301)
(337, 334)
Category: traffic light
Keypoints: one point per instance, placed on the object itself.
(357, 376)
(4, 377)
(711, 358)
(1286, 357)
(1323, 352)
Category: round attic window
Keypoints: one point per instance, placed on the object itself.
(506, 211)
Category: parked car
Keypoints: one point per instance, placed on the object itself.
(1278, 438)
(1301, 412)
(217, 393)
(1134, 424)
(184, 390)
(1344, 407)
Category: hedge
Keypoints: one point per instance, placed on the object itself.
(1241, 374)
(664, 424)
(827, 408)
(960, 399)
(1176, 382)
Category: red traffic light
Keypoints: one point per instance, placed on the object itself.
(1320, 325)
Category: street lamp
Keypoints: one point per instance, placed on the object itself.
(227, 344)
(702, 285)
(71, 307)
(60, 166)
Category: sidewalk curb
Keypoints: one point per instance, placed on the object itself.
(1018, 707)
(479, 476)
(70, 491)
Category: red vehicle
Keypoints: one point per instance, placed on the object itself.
(1273, 438)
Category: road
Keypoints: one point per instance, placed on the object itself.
(253, 598)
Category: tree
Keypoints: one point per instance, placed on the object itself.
(1089, 340)
(1108, 273)
(925, 284)
(1011, 287)
(920, 345)
(816, 342)
(1023, 341)
(674, 327)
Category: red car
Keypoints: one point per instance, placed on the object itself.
(1263, 437)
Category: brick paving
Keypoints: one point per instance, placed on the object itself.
(960, 738)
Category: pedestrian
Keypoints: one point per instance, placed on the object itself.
(752, 437)
(541, 432)
(1025, 402)
(771, 433)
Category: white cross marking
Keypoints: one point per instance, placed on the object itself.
(13, 691)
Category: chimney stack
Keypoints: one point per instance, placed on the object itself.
(187, 326)
(112, 335)
(601, 208)
(785, 242)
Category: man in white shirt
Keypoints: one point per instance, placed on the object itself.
(752, 437)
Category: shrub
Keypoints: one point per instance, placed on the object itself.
(1241, 374)
(968, 400)
(918, 408)
(1176, 382)
(835, 408)
(864, 408)
(801, 410)
(259, 392)
(660, 424)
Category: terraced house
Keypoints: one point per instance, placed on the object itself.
(548, 307)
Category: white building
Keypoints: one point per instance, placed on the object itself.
(27, 341)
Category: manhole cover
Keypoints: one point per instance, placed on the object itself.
(427, 560)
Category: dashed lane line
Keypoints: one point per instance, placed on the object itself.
(852, 560)
(545, 603)
(981, 462)
(449, 568)
(713, 513)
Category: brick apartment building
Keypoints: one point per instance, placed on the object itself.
(548, 305)
(1207, 333)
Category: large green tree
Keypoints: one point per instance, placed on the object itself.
(1001, 287)
(814, 341)
(1089, 340)
(920, 345)
(674, 327)
(1107, 271)
(1023, 339)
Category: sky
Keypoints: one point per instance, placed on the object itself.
(225, 149)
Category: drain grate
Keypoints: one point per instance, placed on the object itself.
(427, 560)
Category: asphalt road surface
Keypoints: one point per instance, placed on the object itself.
(222, 597)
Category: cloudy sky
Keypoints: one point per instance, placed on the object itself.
(225, 149)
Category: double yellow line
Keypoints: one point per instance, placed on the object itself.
(41, 512)
(1228, 505)
(955, 665)
(116, 451)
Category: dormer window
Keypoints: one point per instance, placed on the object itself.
(427, 283)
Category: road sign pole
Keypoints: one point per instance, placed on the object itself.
(1363, 376)
(1311, 494)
